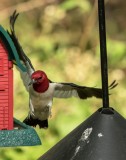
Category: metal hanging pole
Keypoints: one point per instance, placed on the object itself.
(103, 53)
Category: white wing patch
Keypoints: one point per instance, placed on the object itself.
(62, 91)
(26, 76)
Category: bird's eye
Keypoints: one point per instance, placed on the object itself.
(39, 78)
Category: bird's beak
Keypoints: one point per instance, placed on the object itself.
(32, 82)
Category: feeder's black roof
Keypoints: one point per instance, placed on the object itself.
(101, 137)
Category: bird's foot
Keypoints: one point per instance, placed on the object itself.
(31, 113)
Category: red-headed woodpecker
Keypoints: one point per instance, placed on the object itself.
(42, 90)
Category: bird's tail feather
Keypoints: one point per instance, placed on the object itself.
(34, 122)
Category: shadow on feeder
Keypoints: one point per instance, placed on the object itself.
(12, 131)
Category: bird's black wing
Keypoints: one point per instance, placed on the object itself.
(67, 90)
(25, 76)
(14, 38)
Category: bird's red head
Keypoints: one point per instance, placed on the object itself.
(40, 81)
(38, 76)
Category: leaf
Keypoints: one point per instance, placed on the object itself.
(69, 4)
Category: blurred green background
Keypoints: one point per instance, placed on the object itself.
(61, 37)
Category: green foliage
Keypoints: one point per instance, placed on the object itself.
(71, 4)
(117, 50)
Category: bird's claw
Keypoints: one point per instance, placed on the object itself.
(32, 114)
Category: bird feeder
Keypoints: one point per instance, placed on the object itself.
(103, 135)
(12, 131)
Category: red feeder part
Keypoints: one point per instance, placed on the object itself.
(8, 53)
(6, 89)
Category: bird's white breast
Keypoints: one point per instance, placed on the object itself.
(42, 102)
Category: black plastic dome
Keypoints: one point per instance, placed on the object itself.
(101, 137)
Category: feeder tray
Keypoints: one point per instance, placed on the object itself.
(21, 135)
